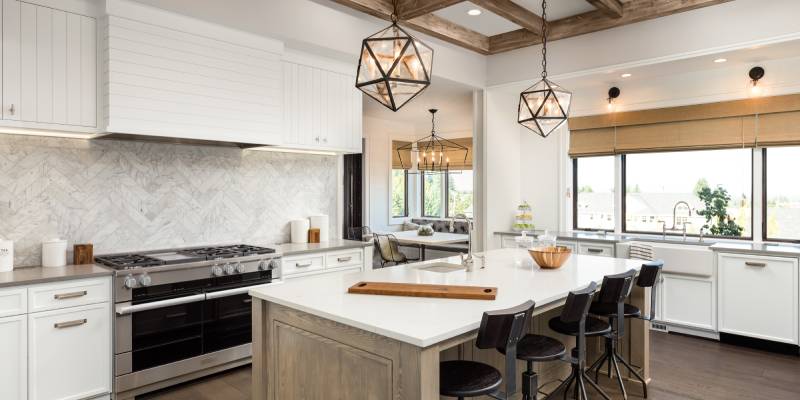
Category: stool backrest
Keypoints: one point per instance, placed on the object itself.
(616, 288)
(648, 277)
(576, 308)
(502, 328)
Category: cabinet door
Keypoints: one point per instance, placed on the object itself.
(758, 297)
(76, 339)
(14, 358)
(688, 301)
(49, 65)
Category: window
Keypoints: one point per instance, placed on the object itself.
(781, 193)
(459, 194)
(433, 195)
(716, 184)
(399, 193)
(594, 202)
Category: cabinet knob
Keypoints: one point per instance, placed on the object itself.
(11, 110)
(325, 140)
(317, 138)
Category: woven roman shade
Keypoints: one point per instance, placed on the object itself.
(406, 154)
(771, 121)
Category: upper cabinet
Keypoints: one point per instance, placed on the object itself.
(173, 76)
(49, 78)
(322, 107)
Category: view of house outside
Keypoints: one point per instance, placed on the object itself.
(783, 193)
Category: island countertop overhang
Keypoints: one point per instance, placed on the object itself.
(424, 322)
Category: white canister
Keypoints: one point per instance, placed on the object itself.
(6, 255)
(300, 231)
(321, 222)
(54, 253)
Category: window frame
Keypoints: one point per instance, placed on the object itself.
(575, 201)
(405, 195)
(447, 194)
(764, 208)
(624, 219)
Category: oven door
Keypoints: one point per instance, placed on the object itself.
(164, 331)
(227, 319)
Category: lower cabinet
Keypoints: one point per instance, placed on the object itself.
(69, 353)
(687, 301)
(758, 297)
(307, 264)
(14, 358)
(596, 249)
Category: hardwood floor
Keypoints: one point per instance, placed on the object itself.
(683, 368)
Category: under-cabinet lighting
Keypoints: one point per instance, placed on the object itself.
(295, 151)
(38, 132)
(626, 75)
(720, 60)
(474, 12)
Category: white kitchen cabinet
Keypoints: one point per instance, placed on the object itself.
(758, 296)
(14, 358)
(687, 301)
(70, 353)
(49, 68)
(177, 77)
(307, 264)
(322, 107)
(596, 249)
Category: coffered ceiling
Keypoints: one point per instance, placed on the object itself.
(504, 25)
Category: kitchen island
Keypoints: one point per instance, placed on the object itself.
(313, 340)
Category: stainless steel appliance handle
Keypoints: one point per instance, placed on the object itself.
(130, 309)
(233, 292)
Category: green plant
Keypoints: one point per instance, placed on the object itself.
(716, 211)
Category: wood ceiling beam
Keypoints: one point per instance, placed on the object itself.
(612, 8)
(514, 13)
(633, 11)
(409, 9)
(429, 24)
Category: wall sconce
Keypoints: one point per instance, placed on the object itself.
(613, 93)
(756, 73)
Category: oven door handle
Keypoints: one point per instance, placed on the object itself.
(123, 309)
(233, 292)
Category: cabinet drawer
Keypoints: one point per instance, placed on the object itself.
(13, 301)
(344, 259)
(758, 297)
(73, 293)
(69, 354)
(596, 249)
(303, 264)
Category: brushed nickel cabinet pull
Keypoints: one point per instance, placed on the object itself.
(62, 296)
(12, 110)
(755, 264)
(306, 265)
(69, 324)
(593, 250)
(344, 259)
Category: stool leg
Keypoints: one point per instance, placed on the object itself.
(597, 388)
(619, 376)
(530, 383)
(636, 374)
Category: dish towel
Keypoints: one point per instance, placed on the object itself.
(641, 251)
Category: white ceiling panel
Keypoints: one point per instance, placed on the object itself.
(487, 23)
(557, 9)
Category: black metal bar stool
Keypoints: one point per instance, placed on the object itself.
(611, 307)
(575, 321)
(499, 330)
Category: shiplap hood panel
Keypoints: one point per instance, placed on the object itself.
(173, 78)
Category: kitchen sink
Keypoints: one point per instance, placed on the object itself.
(442, 267)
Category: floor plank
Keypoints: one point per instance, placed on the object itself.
(683, 368)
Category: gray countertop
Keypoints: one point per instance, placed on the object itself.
(290, 249)
(767, 249)
(33, 275)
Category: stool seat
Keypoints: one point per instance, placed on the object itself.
(539, 348)
(467, 379)
(610, 309)
(594, 327)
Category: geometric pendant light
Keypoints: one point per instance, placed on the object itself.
(544, 106)
(394, 67)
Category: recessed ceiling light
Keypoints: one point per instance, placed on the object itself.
(720, 60)
(474, 12)
(626, 75)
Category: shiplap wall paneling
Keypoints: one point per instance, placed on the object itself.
(173, 83)
(49, 66)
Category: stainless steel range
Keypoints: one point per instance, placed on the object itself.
(184, 313)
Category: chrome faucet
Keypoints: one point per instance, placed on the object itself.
(674, 227)
(469, 261)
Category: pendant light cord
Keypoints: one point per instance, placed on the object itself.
(394, 12)
(544, 39)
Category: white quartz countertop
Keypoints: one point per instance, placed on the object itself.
(426, 321)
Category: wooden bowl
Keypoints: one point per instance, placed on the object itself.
(550, 257)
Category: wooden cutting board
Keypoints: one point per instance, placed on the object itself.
(424, 290)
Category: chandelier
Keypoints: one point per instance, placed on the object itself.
(432, 153)
(544, 106)
(394, 67)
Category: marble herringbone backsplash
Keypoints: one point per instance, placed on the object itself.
(125, 195)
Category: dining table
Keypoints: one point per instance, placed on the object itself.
(412, 238)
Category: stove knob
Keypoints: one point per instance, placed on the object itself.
(229, 269)
(275, 264)
(263, 265)
(240, 268)
(217, 270)
(129, 282)
(145, 280)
